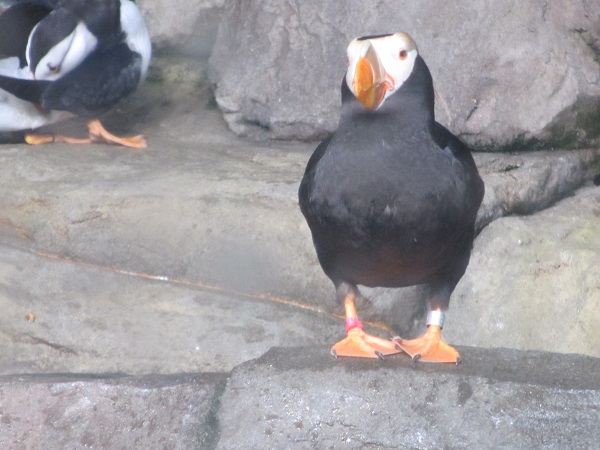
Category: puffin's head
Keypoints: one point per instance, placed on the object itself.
(378, 66)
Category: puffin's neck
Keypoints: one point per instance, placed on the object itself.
(411, 105)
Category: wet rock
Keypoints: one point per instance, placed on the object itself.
(74, 411)
(534, 282)
(302, 398)
(508, 75)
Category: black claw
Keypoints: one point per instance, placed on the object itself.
(380, 355)
(334, 353)
(458, 360)
(416, 358)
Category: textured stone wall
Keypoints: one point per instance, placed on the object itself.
(509, 75)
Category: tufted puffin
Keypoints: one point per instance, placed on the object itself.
(70, 57)
(391, 197)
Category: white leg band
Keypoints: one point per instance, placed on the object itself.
(436, 318)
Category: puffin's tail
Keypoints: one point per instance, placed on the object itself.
(28, 90)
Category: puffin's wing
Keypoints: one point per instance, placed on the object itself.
(448, 142)
(16, 24)
(303, 191)
(317, 155)
(97, 84)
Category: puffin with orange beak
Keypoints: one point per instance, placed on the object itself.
(392, 196)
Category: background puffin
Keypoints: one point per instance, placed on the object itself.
(391, 198)
(70, 57)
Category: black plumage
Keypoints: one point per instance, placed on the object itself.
(391, 198)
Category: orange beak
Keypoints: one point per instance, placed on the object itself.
(370, 80)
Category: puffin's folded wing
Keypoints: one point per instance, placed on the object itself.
(97, 84)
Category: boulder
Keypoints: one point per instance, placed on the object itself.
(524, 183)
(534, 282)
(497, 398)
(509, 75)
(100, 411)
(183, 27)
(301, 397)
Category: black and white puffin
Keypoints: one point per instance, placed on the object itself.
(70, 57)
(391, 197)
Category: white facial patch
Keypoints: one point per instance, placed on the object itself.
(396, 54)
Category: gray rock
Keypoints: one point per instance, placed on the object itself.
(183, 27)
(525, 183)
(74, 411)
(508, 74)
(301, 398)
(60, 315)
(534, 282)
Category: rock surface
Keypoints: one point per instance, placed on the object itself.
(75, 411)
(74, 317)
(183, 27)
(534, 282)
(301, 397)
(496, 399)
(516, 75)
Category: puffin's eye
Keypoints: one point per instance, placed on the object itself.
(348, 61)
(53, 69)
(403, 55)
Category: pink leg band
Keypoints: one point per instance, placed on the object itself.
(352, 322)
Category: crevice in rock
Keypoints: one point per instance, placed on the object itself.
(52, 345)
(591, 41)
(211, 427)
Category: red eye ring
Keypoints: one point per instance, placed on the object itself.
(403, 54)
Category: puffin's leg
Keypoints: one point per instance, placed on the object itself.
(357, 342)
(99, 134)
(430, 347)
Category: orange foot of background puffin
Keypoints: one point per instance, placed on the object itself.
(97, 133)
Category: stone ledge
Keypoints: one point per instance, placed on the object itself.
(301, 397)
(93, 411)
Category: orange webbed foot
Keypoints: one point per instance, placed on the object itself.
(99, 134)
(429, 348)
(363, 345)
